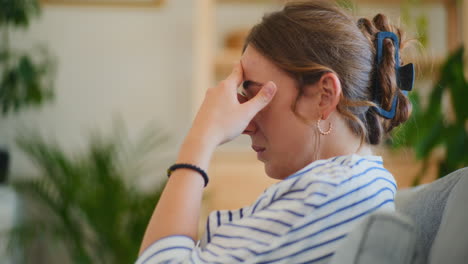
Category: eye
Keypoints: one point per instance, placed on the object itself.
(243, 90)
(250, 88)
(246, 84)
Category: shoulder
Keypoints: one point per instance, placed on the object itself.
(341, 170)
(323, 178)
(317, 183)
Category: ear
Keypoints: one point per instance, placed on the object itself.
(330, 93)
(320, 99)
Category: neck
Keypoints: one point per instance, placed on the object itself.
(342, 141)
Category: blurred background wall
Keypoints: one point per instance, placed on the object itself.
(127, 62)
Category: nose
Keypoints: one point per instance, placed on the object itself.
(250, 129)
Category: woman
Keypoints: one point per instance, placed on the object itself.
(319, 90)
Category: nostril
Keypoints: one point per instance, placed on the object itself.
(249, 130)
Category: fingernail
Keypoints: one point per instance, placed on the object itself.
(269, 88)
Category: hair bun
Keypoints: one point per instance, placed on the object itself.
(385, 85)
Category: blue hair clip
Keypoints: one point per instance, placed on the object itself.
(404, 74)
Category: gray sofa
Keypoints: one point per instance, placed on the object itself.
(430, 226)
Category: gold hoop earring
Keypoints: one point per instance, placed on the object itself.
(330, 128)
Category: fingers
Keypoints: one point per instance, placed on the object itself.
(237, 75)
(262, 99)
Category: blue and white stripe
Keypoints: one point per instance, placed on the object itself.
(301, 219)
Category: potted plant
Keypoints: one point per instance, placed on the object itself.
(25, 77)
(87, 202)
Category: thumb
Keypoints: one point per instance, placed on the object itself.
(262, 99)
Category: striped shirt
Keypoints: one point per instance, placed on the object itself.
(301, 219)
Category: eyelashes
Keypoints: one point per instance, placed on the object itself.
(246, 84)
(249, 88)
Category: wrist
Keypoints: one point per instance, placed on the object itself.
(196, 150)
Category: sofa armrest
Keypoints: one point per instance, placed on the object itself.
(451, 242)
(381, 238)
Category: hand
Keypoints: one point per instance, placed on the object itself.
(221, 116)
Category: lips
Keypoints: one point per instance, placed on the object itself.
(258, 149)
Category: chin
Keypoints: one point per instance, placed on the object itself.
(273, 173)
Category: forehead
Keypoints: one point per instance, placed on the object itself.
(259, 69)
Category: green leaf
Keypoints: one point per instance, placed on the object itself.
(422, 26)
(93, 205)
(458, 85)
(347, 4)
(26, 82)
(432, 137)
(18, 12)
(456, 146)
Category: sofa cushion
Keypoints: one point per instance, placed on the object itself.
(425, 205)
(451, 242)
(382, 237)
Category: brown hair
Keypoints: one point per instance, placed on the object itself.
(309, 38)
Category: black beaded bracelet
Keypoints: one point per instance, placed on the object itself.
(188, 166)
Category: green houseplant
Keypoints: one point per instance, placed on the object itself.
(87, 202)
(26, 78)
(432, 128)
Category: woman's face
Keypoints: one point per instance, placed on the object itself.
(283, 142)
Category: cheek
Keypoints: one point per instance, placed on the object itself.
(288, 136)
(281, 128)
(269, 123)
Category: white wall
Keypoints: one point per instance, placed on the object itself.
(133, 63)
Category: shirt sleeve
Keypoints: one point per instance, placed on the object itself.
(237, 239)
(169, 249)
